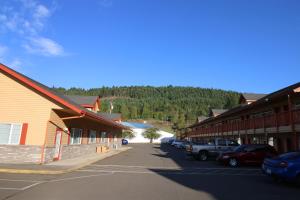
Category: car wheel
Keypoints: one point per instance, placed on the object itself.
(203, 156)
(233, 162)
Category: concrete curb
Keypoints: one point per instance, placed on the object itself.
(53, 172)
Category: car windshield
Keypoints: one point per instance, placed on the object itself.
(291, 155)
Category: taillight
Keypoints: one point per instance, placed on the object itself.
(283, 164)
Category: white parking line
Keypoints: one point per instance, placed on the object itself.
(31, 182)
(137, 166)
(32, 185)
(177, 168)
(18, 180)
(35, 183)
(104, 173)
(170, 173)
(1, 188)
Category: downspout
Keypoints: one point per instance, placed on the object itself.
(43, 147)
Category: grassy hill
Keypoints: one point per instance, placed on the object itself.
(174, 105)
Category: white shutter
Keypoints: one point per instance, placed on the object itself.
(15, 134)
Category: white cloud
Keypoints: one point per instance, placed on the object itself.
(44, 46)
(27, 19)
(41, 11)
(15, 63)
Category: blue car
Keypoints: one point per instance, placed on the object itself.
(285, 167)
(124, 142)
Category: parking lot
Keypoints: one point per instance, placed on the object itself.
(148, 172)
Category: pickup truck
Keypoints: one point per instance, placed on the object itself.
(211, 148)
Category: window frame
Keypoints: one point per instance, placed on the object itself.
(10, 133)
(103, 139)
(72, 138)
(95, 138)
(223, 142)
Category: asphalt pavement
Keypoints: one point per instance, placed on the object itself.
(146, 172)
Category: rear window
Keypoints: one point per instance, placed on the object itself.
(232, 143)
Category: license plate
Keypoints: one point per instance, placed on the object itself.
(269, 171)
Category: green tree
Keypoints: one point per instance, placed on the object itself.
(124, 111)
(128, 134)
(166, 103)
(133, 112)
(181, 121)
(151, 133)
(146, 111)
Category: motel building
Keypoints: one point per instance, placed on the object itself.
(259, 119)
(38, 125)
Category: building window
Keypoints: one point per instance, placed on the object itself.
(76, 135)
(103, 137)
(10, 133)
(92, 138)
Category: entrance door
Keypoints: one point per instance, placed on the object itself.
(57, 145)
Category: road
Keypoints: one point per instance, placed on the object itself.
(148, 172)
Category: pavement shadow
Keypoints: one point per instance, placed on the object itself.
(220, 186)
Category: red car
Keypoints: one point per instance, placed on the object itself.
(250, 154)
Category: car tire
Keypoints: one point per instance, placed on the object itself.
(203, 156)
(233, 162)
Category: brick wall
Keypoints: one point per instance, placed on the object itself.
(20, 154)
(73, 151)
(49, 154)
(32, 154)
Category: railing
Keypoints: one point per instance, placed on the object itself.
(283, 119)
(296, 116)
(270, 121)
(262, 122)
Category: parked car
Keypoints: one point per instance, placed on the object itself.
(170, 141)
(177, 143)
(124, 142)
(184, 144)
(248, 154)
(212, 148)
(285, 166)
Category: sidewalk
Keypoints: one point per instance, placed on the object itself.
(58, 167)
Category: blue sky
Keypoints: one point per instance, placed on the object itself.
(241, 45)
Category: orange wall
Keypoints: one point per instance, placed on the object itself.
(19, 104)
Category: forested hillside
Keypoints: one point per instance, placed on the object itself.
(178, 105)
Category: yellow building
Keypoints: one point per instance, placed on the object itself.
(38, 125)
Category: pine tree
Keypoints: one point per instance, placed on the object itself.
(124, 111)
